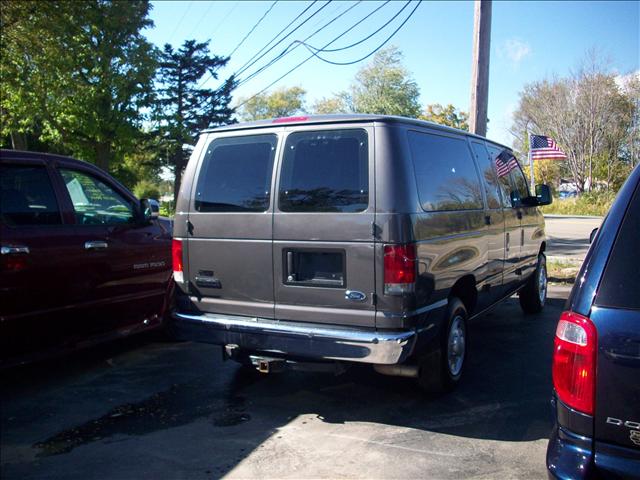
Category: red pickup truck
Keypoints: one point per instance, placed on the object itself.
(82, 260)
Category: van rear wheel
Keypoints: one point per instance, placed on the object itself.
(534, 294)
(441, 369)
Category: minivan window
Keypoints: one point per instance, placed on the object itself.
(445, 173)
(487, 171)
(620, 283)
(95, 202)
(325, 171)
(236, 174)
(27, 196)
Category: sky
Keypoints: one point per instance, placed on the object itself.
(530, 41)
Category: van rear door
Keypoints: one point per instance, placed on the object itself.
(230, 225)
(323, 251)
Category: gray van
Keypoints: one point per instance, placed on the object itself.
(352, 238)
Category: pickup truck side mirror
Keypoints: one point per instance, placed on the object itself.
(149, 208)
(543, 195)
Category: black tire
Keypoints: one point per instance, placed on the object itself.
(534, 294)
(441, 369)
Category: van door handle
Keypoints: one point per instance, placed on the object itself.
(487, 219)
(519, 214)
(12, 249)
(95, 245)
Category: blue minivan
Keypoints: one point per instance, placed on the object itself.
(596, 358)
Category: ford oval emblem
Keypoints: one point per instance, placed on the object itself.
(354, 295)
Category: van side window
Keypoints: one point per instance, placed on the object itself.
(236, 174)
(520, 182)
(500, 160)
(445, 172)
(488, 173)
(325, 171)
(27, 196)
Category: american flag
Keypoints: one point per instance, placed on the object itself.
(505, 162)
(545, 148)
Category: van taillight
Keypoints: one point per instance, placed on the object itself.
(574, 362)
(176, 257)
(399, 269)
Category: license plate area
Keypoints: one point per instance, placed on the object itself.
(314, 268)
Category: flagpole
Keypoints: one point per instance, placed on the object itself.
(533, 181)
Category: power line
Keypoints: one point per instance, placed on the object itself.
(202, 17)
(180, 21)
(332, 41)
(296, 43)
(246, 67)
(221, 22)
(311, 47)
(315, 54)
(253, 28)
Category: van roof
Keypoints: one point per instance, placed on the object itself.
(343, 118)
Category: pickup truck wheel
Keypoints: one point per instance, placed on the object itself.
(534, 294)
(441, 369)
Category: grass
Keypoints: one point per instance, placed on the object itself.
(563, 271)
(590, 203)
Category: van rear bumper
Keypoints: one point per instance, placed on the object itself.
(313, 341)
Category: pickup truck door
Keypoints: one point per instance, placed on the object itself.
(37, 286)
(124, 264)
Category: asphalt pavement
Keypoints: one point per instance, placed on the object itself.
(568, 236)
(144, 408)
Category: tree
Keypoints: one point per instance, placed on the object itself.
(284, 102)
(326, 106)
(384, 87)
(587, 114)
(182, 109)
(77, 74)
(449, 116)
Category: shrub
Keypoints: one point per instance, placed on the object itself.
(589, 203)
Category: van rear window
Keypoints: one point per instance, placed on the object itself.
(445, 173)
(325, 171)
(236, 174)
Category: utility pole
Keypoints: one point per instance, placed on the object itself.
(480, 67)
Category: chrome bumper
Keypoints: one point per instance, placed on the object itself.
(311, 341)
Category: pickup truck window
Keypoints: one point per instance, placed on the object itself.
(95, 202)
(446, 176)
(27, 196)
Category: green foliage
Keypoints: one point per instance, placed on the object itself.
(384, 87)
(182, 109)
(589, 203)
(591, 117)
(146, 189)
(167, 209)
(76, 74)
(284, 102)
(326, 106)
(449, 116)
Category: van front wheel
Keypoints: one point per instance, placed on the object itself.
(534, 293)
(441, 369)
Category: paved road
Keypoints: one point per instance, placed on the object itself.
(569, 236)
(146, 409)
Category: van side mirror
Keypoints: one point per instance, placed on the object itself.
(543, 195)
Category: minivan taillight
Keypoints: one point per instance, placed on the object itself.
(176, 257)
(574, 361)
(399, 269)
